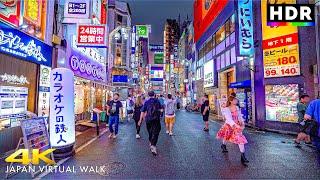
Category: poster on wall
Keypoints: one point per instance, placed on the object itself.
(10, 12)
(79, 99)
(281, 102)
(44, 91)
(208, 80)
(280, 47)
(91, 35)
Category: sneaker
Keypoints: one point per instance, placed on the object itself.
(153, 150)
(171, 134)
(110, 135)
(114, 136)
(137, 136)
(167, 132)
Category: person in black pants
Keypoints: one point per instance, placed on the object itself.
(151, 111)
(136, 114)
(205, 112)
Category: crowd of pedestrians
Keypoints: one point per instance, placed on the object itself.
(153, 109)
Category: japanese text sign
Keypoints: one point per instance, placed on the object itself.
(76, 9)
(62, 124)
(280, 47)
(20, 45)
(32, 11)
(44, 91)
(245, 30)
(91, 35)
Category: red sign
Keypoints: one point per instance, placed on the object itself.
(104, 12)
(91, 35)
(280, 41)
(10, 12)
(205, 12)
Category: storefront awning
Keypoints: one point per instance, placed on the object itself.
(241, 84)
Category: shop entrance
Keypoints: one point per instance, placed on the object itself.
(225, 79)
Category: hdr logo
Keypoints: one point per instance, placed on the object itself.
(290, 15)
(25, 159)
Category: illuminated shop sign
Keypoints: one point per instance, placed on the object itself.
(208, 80)
(245, 30)
(91, 35)
(86, 68)
(32, 11)
(120, 78)
(142, 31)
(280, 47)
(62, 124)
(10, 12)
(77, 9)
(92, 53)
(20, 45)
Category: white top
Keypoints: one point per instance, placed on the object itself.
(228, 116)
(128, 104)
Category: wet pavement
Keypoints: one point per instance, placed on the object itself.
(193, 154)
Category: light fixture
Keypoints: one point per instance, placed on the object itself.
(117, 36)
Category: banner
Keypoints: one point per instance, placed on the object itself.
(280, 47)
(76, 9)
(44, 91)
(62, 123)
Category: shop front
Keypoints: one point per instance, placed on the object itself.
(243, 92)
(25, 63)
(88, 66)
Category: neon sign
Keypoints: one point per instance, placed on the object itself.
(20, 45)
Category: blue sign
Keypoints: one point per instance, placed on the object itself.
(77, 8)
(23, 46)
(245, 30)
(120, 78)
(241, 84)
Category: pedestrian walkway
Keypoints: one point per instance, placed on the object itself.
(193, 154)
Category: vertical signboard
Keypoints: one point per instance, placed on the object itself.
(62, 124)
(280, 47)
(44, 91)
(245, 30)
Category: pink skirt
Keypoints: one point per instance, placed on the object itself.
(233, 135)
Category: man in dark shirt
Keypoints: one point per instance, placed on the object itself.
(151, 111)
(114, 111)
(205, 112)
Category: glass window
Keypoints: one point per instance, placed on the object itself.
(223, 62)
(210, 44)
(233, 55)
(213, 40)
(218, 63)
(232, 23)
(220, 35)
(227, 56)
(228, 27)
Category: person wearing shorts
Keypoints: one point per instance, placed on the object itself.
(169, 105)
(205, 112)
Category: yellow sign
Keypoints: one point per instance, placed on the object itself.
(280, 46)
(35, 159)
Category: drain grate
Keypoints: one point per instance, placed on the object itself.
(112, 168)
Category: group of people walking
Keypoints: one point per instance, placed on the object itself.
(153, 109)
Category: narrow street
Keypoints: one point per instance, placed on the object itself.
(193, 154)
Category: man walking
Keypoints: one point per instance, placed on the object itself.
(130, 106)
(205, 112)
(169, 114)
(151, 111)
(114, 111)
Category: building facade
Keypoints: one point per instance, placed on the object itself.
(233, 56)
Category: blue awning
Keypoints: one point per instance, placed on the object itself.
(241, 84)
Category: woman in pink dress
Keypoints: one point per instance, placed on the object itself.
(232, 129)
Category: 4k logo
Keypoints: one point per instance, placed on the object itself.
(25, 159)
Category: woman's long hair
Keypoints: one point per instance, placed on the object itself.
(230, 99)
(138, 101)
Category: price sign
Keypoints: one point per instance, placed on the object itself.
(281, 61)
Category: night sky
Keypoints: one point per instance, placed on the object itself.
(155, 12)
